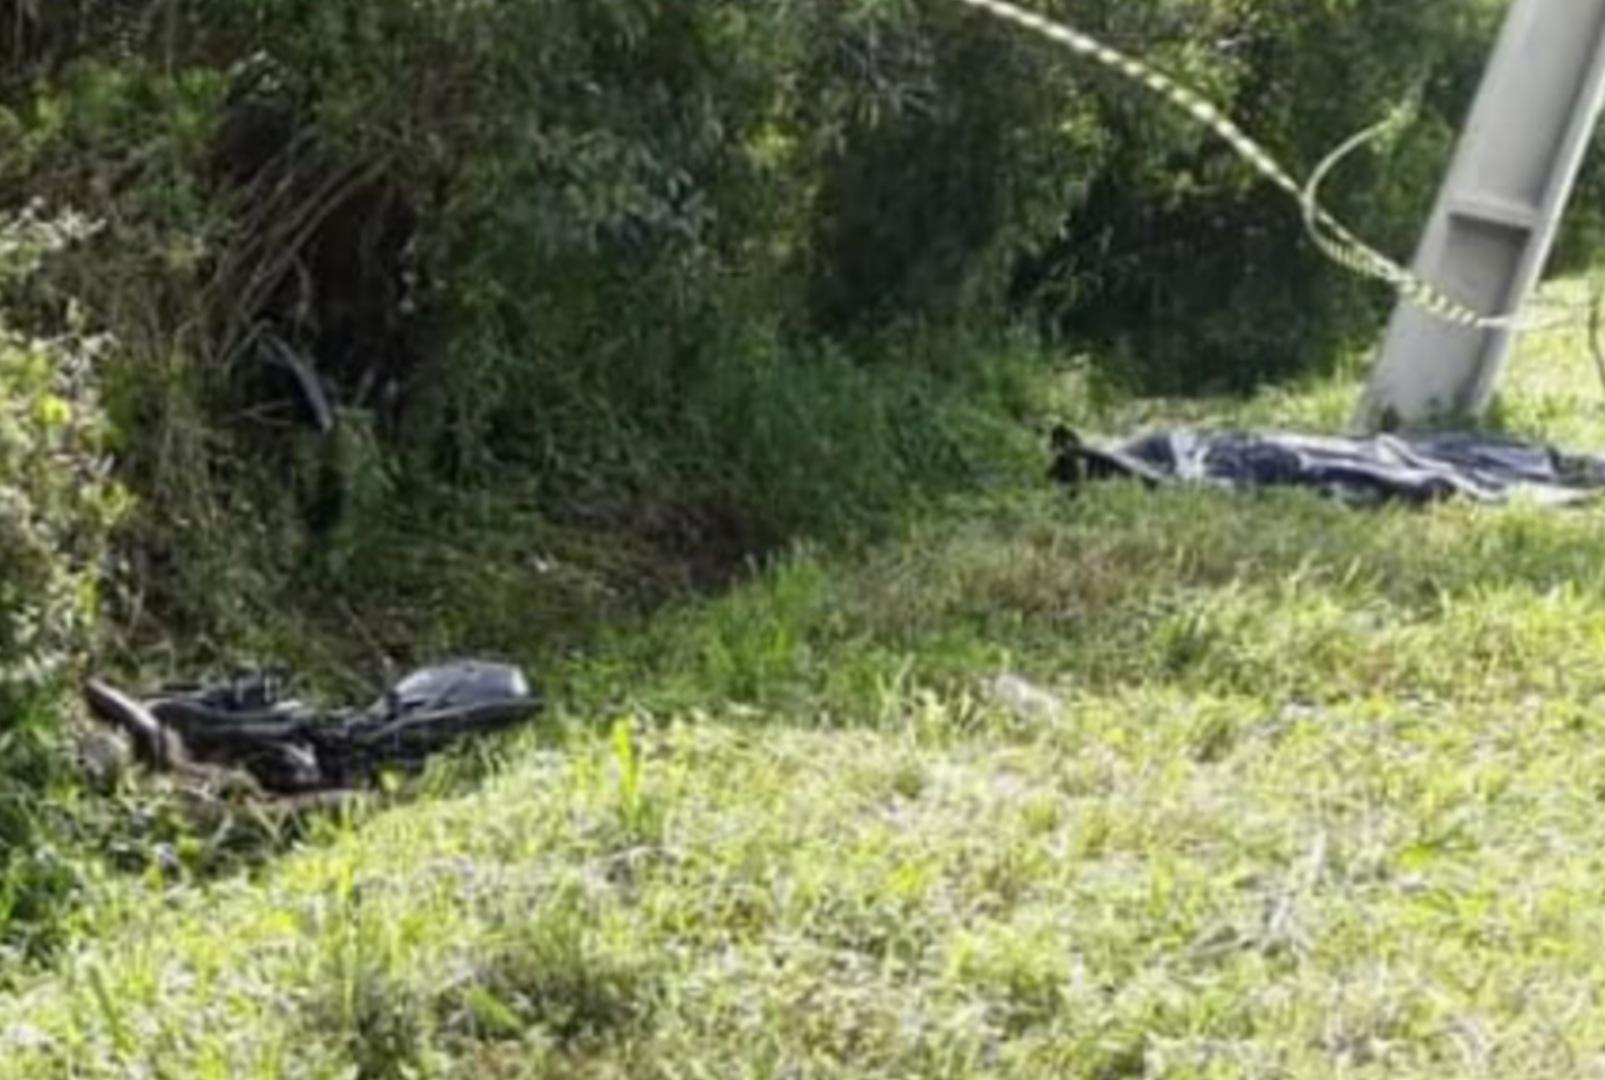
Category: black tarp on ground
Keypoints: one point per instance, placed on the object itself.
(1415, 469)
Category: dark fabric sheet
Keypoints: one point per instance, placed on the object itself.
(1360, 470)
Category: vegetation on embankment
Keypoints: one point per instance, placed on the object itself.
(1301, 791)
(703, 277)
(610, 296)
(613, 298)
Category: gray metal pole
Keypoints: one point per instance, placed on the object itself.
(1498, 212)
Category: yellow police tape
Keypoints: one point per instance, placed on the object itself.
(1330, 236)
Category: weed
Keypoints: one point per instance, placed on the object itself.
(551, 968)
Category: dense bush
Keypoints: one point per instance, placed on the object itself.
(1189, 272)
(639, 262)
(57, 506)
(839, 169)
(57, 502)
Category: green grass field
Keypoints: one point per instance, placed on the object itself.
(1294, 791)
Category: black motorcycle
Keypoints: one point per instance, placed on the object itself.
(251, 722)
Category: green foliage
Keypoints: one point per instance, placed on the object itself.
(1318, 794)
(817, 167)
(663, 258)
(615, 267)
(58, 501)
(57, 507)
(1584, 233)
(845, 173)
(1186, 272)
(620, 297)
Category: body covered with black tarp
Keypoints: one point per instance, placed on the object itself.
(1359, 470)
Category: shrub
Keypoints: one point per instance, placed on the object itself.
(58, 501)
(833, 168)
(1183, 270)
(633, 260)
(57, 506)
